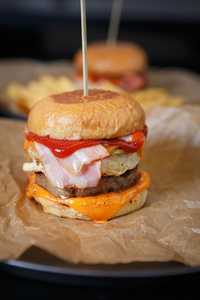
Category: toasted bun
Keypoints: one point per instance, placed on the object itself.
(106, 59)
(68, 212)
(72, 116)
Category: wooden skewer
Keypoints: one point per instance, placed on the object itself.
(114, 21)
(84, 46)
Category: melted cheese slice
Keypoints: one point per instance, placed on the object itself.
(99, 208)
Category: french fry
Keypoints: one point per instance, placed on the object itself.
(27, 96)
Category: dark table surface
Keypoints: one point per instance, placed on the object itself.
(39, 274)
(169, 287)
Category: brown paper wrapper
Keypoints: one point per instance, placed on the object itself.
(166, 228)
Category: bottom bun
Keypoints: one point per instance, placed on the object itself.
(68, 212)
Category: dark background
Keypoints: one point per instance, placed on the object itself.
(179, 287)
(169, 30)
(50, 29)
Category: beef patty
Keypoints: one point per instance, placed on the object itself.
(106, 184)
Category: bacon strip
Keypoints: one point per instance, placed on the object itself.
(57, 176)
(74, 163)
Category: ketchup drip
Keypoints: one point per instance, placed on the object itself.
(64, 148)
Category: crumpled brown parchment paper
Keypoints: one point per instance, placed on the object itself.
(166, 228)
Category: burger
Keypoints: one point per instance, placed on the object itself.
(123, 64)
(84, 153)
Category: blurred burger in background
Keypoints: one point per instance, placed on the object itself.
(121, 67)
(123, 64)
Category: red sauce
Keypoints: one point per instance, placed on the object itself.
(64, 148)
